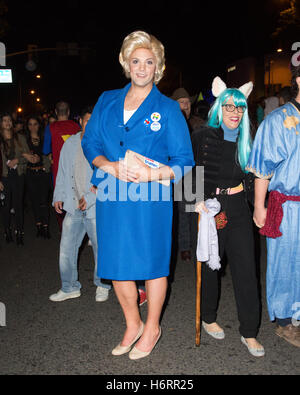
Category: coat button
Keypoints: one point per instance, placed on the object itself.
(121, 143)
(127, 128)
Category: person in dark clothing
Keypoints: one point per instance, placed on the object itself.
(1, 184)
(183, 243)
(38, 177)
(15, 156)
(285, 95)
(198, 119)
(186, 102)
(200, 111)
(223, 148)
(2, 196)
(196, 116)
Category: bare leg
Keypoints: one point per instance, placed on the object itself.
(156, 293)
(126, 292)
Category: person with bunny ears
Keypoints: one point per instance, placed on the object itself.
(223, 147)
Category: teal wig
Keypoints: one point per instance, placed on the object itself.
(215, 119)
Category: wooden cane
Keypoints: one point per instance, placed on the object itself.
(198, 299)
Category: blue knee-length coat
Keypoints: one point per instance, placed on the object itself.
(134, 221)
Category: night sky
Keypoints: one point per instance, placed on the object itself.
(200, 37)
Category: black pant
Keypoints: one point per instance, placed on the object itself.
(283, 321)
(14, 193)
(236, 241)
(38, 185)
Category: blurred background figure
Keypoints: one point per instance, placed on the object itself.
(200, 110)
(15, 154)
(285, 95)
(19, 126)
(52, 118)
(260, 110)
(38, 177)
(184, 100)
(195, 112)
(271, 103)
(56, 133)
(44, 119)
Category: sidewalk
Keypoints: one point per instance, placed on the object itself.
(77, 336)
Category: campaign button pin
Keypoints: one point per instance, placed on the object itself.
(156, 117)
(155, 126)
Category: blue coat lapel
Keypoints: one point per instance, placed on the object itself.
(140, 112)
(119, 104)
(143, 110)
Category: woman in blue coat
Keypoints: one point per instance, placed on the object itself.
(134, 210)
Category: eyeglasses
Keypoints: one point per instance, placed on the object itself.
(232, 108)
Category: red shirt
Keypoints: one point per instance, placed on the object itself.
(60, 132)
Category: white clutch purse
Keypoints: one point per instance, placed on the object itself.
(130, 161)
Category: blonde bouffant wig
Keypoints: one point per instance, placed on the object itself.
(140, 39)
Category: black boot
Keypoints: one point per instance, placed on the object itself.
(39, 230)
(46, 232)
(19, 237)
(8, 236)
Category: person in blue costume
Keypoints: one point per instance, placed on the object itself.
(275, 160)
(134, 211)
(223, 148)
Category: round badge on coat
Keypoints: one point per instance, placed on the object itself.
(155, 126)
(156, 117)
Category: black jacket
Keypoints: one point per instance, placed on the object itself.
(207, 147)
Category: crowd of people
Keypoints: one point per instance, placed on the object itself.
(25, 174)
(23, 167)
(78, 162)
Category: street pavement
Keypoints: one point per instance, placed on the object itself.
(76, 337)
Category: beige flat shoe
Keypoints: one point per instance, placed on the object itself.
(256, 352)
(216, 335)
(120, 350)
(135, 353)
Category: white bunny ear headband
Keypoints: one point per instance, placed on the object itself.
(219, 86)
